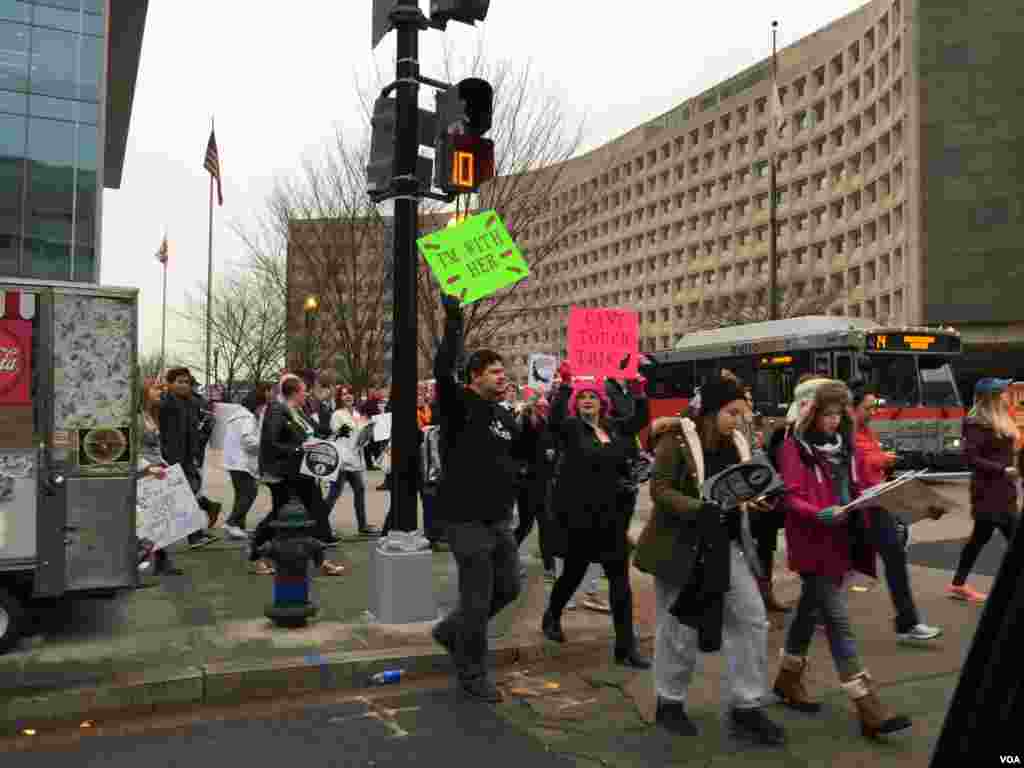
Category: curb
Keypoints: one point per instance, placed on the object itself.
(225, 683)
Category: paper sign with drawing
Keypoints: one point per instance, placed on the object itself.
(166, 509)
(474, 259)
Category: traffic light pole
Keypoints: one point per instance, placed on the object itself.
(407, 19)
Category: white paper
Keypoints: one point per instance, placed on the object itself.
(541, 370)
(166, 510)
(381, 427)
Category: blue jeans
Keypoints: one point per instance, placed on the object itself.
(823, 597)
(358, 482)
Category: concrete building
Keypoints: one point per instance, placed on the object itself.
(899, 190)
(67, 79)
(321, 251)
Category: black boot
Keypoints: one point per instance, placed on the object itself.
(630, 657)
(754, 726)
(551, 626)
(671, 715)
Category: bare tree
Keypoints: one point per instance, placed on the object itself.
(247, 328)
(323, 236)
(533, 142)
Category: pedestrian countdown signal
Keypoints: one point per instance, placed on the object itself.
(471, 163)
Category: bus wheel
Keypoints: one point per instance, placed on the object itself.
(12, 620)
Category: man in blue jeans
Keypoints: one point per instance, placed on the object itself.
(482, 448)
(889, 538)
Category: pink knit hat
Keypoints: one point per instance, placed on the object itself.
(597, 388)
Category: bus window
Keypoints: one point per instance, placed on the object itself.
(672, 380)
(938, 387)
(894, 378)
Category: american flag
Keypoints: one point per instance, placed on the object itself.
(212, 164)
(162, 254)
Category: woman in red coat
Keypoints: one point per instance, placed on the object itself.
(990, 439)
(823, 472)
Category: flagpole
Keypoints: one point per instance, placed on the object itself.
(209, 287)
(773, 263)
(163, 325)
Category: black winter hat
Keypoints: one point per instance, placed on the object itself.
(718, 392)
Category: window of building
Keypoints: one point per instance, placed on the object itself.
(819, 78)
(709, 131)
(837, 66)
(837, 101)
(800, 87)
(742, 115)
(725, 123)
(761, 105)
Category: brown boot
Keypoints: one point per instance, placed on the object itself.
(771, 604)
(789, 685)
(874, 720)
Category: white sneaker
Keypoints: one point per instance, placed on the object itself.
(234, 532)
(918, 633)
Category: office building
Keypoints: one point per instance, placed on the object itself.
(67, 79)
(899, 177)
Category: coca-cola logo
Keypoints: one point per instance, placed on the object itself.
(12, 361)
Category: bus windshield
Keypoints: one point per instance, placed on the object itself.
(938, 386)
(910, 380)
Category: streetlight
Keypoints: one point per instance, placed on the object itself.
(311, 307)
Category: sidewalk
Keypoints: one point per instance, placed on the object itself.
(202, 637)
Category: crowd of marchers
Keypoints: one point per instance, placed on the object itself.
(571, 462)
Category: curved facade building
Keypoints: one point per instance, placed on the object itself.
(898, 184)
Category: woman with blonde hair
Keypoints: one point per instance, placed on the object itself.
(151, 461)
(990, 438)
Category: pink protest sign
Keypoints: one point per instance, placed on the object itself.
(604, 342)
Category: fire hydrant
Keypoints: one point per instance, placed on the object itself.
(291, 552)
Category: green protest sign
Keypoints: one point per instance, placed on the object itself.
(475, 258)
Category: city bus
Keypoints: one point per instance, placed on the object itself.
(911, 369)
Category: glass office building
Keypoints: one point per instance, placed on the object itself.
(62, 129)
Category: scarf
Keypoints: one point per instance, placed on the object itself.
(832, 449)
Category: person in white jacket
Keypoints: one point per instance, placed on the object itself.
(241, 457)
(351, 432)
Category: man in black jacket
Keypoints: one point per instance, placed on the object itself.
(482, 450)
(180, 441)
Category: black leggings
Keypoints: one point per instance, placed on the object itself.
(619, 591)
(246, 492)
(982, 532)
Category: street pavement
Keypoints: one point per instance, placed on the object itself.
(591, 713)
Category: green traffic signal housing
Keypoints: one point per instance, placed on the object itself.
(462, 11)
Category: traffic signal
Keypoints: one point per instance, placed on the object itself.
(463, 11)
(381, 168)
(463, 159)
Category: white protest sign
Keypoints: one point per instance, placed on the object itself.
(381, 427)
(166, 510)
(320, 460)
(542, 371)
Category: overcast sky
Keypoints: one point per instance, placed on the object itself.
(280, 77)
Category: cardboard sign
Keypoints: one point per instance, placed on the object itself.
(474, 259)
(604, 342)
(15, 361)
(320, 460)
(542, 370)
(166, 509)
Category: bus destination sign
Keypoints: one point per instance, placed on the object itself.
(913, 342)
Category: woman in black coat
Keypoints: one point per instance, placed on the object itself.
(595, 459)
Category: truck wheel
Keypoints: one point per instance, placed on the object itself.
(12, 620)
